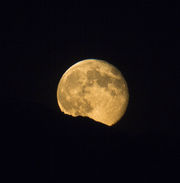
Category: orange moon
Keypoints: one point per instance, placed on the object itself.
(95, 89)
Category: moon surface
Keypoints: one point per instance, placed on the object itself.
(95, 89)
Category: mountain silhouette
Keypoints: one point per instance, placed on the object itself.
(43, 144)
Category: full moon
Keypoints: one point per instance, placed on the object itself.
(95, 89)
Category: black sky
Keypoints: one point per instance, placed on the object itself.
(39, 41)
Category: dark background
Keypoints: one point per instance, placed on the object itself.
(39, 41)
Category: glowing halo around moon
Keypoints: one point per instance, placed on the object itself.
(95, 89)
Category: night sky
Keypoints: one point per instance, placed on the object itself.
(40, 41)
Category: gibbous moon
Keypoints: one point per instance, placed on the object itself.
(95, 89)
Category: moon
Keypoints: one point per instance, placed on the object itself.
(95, 89)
